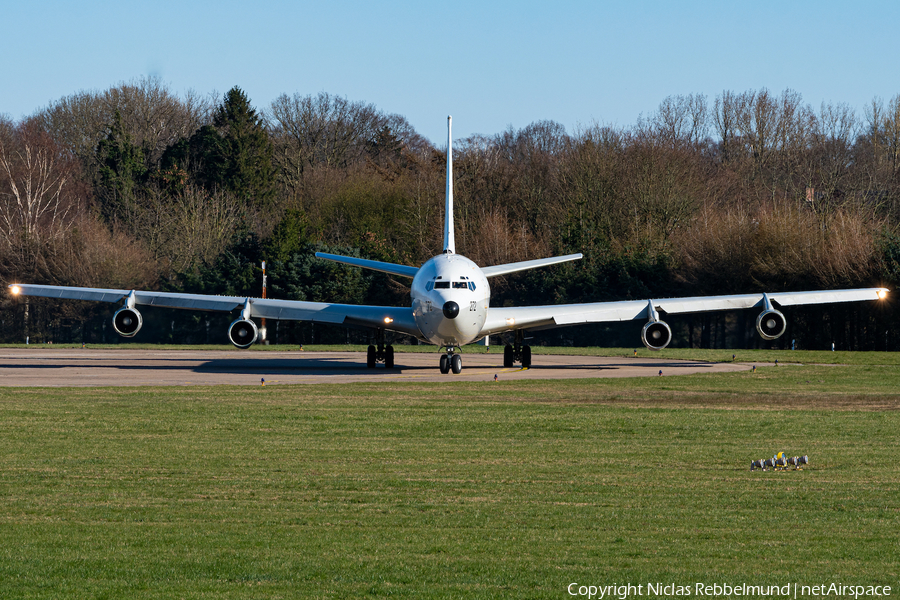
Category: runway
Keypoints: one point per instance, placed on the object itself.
(51, 367)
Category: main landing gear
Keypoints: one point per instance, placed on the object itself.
(451, 362)
(517, 352)
(379, 352)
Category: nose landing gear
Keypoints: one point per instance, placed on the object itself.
(451, 362)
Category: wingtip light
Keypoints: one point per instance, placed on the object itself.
(14, 290)
(882, 294)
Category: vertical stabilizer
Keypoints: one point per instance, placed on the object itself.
(449, 242)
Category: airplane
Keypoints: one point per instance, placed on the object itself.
(450, 305)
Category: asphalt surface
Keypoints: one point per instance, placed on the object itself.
(51, 367)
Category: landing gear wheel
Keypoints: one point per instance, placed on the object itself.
(389, 357)
(526, 357)
(370, 357)
(508, 358)
(445, 364)
(456, 364)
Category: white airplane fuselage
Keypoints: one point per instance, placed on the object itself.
(450, 299)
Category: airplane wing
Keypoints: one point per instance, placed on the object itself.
(392, 318)
(551, 316)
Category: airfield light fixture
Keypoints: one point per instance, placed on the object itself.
(780, 462)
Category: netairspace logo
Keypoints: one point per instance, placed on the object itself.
(715, 590)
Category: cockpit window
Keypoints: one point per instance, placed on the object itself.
(460, 285)
(442, 285)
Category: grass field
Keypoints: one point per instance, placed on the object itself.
(452, 490)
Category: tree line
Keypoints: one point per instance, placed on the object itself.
(139, 187)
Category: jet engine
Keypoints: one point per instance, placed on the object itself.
(771, 324)
(656, 335)
(127, 321)
(243, 333)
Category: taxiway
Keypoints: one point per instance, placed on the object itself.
(58, 367)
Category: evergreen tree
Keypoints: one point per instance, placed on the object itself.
(201, 156)
(243, 158)
(288, 238)
(120, 174)
(233, 154)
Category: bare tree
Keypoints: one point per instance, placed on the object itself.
(329, 131)
(680, 122)
(726, 112)
(832, 139)
(188, 228)
(496, 239)
(322, 129)
(532, 157)
(591, 175)
(154, 116)
(35, 184)
(151, 114)
(891, 132)
(83, 258)
(757, 123)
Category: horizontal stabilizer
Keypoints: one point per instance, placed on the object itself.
(527, 264)
(401, 270)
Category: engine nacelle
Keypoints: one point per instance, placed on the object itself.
(656, 335)
(771, 324)
(243, 333)
(127, 321)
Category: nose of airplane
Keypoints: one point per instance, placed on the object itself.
(451, 309)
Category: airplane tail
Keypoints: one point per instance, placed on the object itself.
(449, 241)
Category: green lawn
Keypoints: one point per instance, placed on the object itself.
(451, 490)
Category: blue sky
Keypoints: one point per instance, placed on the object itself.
(489, 64)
